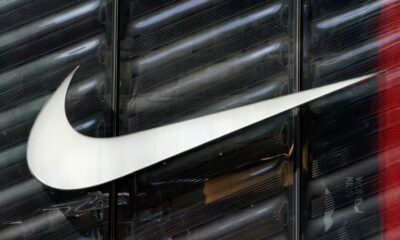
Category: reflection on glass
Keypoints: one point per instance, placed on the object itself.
(350, 145)
(40, 42)
(205, 57)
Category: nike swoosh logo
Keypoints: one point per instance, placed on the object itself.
(62, 158)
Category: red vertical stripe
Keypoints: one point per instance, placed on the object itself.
(389, 83)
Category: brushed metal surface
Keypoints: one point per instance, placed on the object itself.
(62, 158)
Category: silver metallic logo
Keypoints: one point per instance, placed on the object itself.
(62, 158)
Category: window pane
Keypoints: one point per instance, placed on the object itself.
(185, 59)
(351, 138)
(41, 42)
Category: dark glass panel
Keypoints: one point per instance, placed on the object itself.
(41, 42)
(186, 59)
(351, 138)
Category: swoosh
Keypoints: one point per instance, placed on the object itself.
(62, 158)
